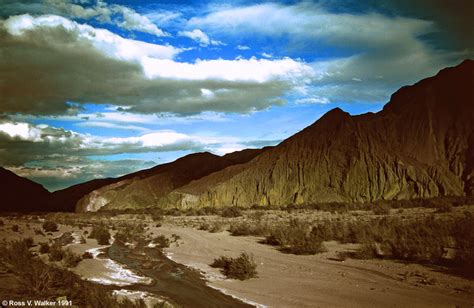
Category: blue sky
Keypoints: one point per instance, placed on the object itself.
(94, 88)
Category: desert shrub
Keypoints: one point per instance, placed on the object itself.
(295, 237)
(209, 210)
(444, 208)
(44, 248)
(175, 237)
(101, 234)
(156, 216)
(29, 242)
(39, 280)
(87, 255)
(38, 232)
(161, 241)
(242, 267)
(56, 253)
(213, 227)
(71, 259)
(221, 262)
(382, 208)
(15, 228)
(231, 212)
(129, 233)
(50, 226)
(463, 233)
(245, 228)
(257, 215)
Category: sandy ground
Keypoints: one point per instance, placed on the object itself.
(286, 280)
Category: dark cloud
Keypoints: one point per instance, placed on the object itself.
(56, 61)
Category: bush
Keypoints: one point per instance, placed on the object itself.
(381, 208)
(242, 267)
(231, 212)
(213, 227)
(50, 226)
(87, 255)
(464, 237)
(71, 259)
(130, 232)
(56, 253)
(101, 234)
(444, 208)
(29, 242)
(15, 228)
(44, 248)
(38, 232)
(296, 238)
(161, 241)
(1, 223)
(245, 228)
(39, 280)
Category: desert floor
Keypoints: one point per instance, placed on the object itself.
(284, 280)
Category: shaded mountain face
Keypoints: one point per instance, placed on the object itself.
(21, 195)
(148, 188)
(420, 145)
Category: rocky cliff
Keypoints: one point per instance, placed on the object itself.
(148, 187)
(420, 145)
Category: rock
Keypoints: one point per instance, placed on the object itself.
(421, 145)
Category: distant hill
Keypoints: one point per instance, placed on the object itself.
(421, 145)
(147, 188)
(21, 195)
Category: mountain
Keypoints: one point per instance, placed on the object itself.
(147, 188)
(21, 195)
(420, 145)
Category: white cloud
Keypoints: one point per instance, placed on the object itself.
(127, 19)
(384, 45)
(247, 70)
(243, 47)
(200, 37)
(313, 100)
(134, 21)
(267, 55)
(103, 124)
(102, 40)
(50, 141)
(23, 131)
(308, 20)
(142, 77)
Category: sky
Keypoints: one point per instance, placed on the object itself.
(92, 89)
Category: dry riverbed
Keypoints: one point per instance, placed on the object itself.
(286, 280)
(182, 274)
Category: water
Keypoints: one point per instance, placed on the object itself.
(177, 283)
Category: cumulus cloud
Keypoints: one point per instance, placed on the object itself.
(122, 16)
(57, 157)
(200, 37)
(52, 60)
(387, 51)
(74, 170)
(24, 142)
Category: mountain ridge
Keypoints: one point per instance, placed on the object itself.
(420, 145)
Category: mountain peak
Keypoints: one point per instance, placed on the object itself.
(449, 90)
